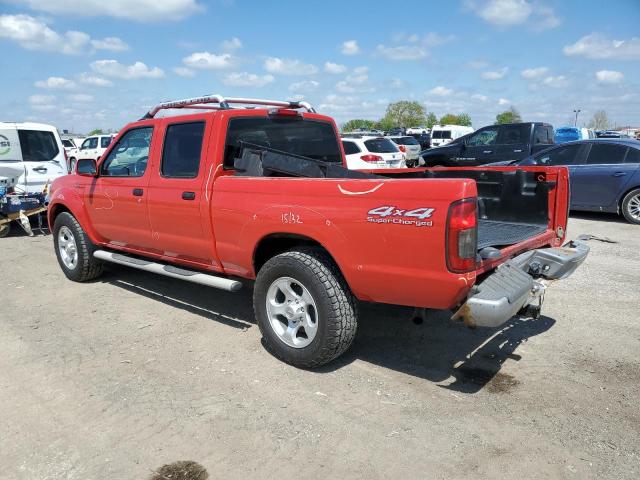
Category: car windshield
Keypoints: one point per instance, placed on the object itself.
(406, 141)
(441, 134)
(381, 145)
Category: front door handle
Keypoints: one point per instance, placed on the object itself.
(517, 151)
(487, 151)
(40, 169)
(137, 192)
(619, 174)
(188, 195)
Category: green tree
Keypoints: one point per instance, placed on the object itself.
(600, 121)
(451, 119)
(404, 114)
(431, 120)
(96, 131)
(464, 119)
(508, 116)
(355, 124)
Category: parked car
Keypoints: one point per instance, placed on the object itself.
(417, 130)
(604, 174)
(410, 147)
(443, 134)
(424, 139)
(94, 146)
(262, 194)
(364, 152)
(71, 151)
(507, 142)
(570, 134)
(396, 131)
(37, 150)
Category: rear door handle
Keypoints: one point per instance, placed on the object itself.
(517, 151)
(40, 169)
(188, 195)
(619, 174)
(137, 192)
(487, 151)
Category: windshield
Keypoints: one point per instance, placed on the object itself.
(381, 145)
(441, 134)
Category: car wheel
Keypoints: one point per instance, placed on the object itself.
(74, 250)
(631, 206)
(306, 313)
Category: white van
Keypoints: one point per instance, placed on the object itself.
(443, 134)
(35, 151)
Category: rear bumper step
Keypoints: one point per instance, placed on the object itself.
(169, 271)
(518, 283)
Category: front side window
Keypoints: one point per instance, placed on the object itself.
(314, 139)
(91, 142)
(602, 154)
(38, 145)
(182, 149)
(483, 137)
(130, 155)
(105, 142)
(559, 156)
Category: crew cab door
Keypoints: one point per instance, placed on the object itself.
(513, 142)
(179, 210)
(116, 200)
(479, 148)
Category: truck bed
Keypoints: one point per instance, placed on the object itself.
(493, 233)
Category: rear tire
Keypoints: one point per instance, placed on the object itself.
(631, 206)
(74, 250)
(304, 288)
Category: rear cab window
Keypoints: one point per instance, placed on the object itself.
(309, 138)
(182, 150)
(38, 145)
(380, 145)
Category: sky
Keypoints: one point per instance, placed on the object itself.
(85, 64)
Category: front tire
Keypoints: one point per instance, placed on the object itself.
(631, 206)
(74, 250)
(306, 313)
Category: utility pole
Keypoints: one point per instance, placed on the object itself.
(577, 111)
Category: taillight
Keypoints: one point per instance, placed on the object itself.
(371, 158)
(462, 236)
(402, 148)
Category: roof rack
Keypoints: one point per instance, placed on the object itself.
(221, 103)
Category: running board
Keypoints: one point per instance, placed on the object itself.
(169, 271)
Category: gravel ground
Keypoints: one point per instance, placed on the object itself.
(114, 378)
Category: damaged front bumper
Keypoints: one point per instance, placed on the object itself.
(519, 283)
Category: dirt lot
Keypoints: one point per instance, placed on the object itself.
(112, 379)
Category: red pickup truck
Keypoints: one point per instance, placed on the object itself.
(257, 189)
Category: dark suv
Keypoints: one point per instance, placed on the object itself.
(494, 143)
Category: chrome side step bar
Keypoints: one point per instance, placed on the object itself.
(169, 271)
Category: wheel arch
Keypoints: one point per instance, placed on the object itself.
(624, 195)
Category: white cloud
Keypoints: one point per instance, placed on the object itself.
(94, 81)
(503, 101)
(350, 47)
(559, 81)
(56, 83)
(208, 61)
(304, 86)
(184, 72)
(508, 13)
(231, 45)
(597, 46)
(113, 68)
(34, 34)
(245, 79)
(113, 44)
(479, 97)
(495, 74)
(358, 81)
(81, 98)
(440, 91)
(335, 68)
(534, 73)
(140, 10)
(402, 52)
(287, 66)
(41, 99)
(609, 76)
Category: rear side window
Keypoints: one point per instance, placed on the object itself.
(350, 148)
(182, 149)
(514, 134)
(38, 146)
(381, 145)
(67, 144)
(314, 139)
(606, 154)
(633, 156)
(560, 156)
(105, 142)
(542, 135)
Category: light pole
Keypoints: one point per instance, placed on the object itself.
(577, 111)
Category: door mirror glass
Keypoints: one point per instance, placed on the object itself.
(87, 167)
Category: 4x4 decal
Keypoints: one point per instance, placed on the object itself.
(399, 216)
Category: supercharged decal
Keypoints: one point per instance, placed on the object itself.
(398, 216)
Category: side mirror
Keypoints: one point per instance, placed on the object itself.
(87, 167)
